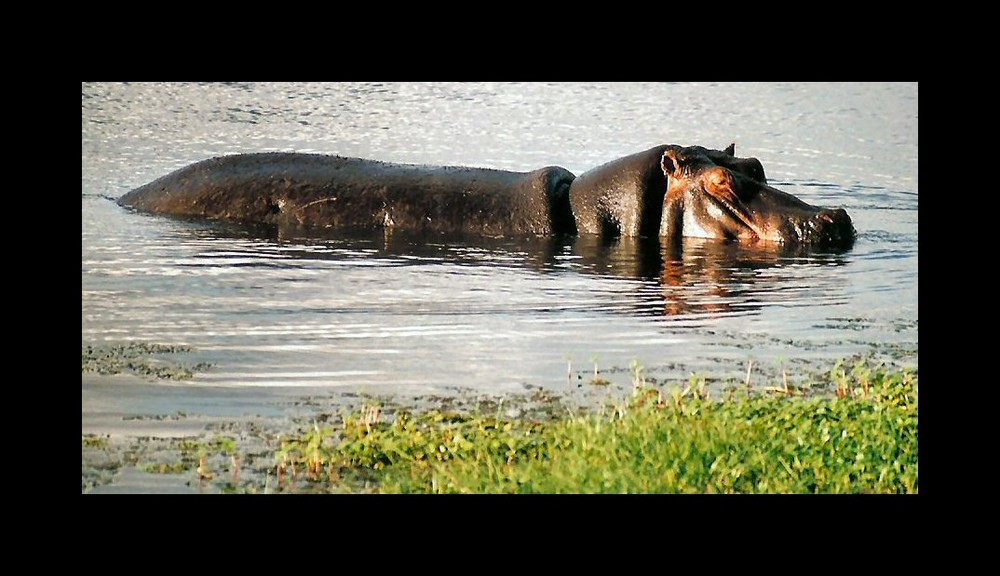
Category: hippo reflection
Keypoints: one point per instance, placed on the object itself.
(667, 191)
(688, 279)
(697, 277)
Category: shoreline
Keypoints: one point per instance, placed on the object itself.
(180, 436)
(131, 424)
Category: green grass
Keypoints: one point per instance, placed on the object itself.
(863, 440)
(192, 453)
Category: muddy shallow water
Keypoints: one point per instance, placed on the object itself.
(285, 314)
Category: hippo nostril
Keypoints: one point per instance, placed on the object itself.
(836, 216)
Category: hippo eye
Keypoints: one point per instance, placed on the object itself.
(739, 185)
(719, 184)
(720, 178)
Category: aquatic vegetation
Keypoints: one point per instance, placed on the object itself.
(165, 467)
(94, 441)
(193, 454)
(678, 441)
(138, 358)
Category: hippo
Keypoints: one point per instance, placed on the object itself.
(666, 191)
(707, 199)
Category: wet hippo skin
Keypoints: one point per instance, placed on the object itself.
(315, 190)
(668, 191)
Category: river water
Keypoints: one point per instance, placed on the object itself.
(394, 314)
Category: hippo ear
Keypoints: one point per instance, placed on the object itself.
(669, 163)
(731, 149)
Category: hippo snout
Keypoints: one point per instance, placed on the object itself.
(831, 227)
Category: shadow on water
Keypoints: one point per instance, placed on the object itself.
(691, 277)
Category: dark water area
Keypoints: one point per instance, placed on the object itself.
(284, 309)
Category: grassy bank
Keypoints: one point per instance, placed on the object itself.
(862, 439)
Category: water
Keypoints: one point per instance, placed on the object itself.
(391, 315)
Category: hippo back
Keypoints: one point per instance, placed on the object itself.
(321, 191)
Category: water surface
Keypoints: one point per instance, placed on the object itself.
(397, 313)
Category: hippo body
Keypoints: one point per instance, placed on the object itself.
(667, 191)
(320, 191)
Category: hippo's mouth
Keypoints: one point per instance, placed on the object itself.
(738, 211)
(824, 228)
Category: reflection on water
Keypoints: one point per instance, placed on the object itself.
(295, 308)
(691, 277)
(719, 278)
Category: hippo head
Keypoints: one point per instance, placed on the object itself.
(749, 166)
(708, 199)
